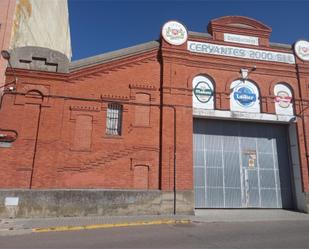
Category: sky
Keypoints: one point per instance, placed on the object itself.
(100, 26)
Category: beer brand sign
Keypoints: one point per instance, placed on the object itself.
(301, 49)
(203, 92)
(244, 96)
(174, 33)
(283, 99)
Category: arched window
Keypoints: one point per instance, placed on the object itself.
(203, 92)
(283, 99)
(244, 96)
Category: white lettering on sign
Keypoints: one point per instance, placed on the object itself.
(245, 53)
(243, 39)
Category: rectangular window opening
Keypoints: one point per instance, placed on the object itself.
(114, 119)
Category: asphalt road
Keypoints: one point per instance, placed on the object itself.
(279, 234)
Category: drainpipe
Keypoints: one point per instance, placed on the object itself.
(35, 147)
(302, 118)
(175, 135)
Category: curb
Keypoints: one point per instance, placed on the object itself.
(101, 226)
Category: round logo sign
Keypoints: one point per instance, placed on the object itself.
(203, 92)
(174, 33)
(244, 96)
(283, 99)
(301, 49)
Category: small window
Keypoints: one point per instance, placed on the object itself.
(114, 119)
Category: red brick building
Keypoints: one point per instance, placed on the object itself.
(206, 120)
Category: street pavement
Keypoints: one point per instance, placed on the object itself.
(255, 234)
(210, 228)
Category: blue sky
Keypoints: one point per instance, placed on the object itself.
(99, 26)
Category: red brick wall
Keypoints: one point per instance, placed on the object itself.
(62, 141)
(66, 157)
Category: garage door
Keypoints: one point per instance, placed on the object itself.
(241, 165)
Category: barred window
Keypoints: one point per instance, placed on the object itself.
(114, 119)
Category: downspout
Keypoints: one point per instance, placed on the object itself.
(35, 148)
(161, 139)
(175, 176)
(303, 119)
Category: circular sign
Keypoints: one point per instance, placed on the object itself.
(283, 99)
(244, 96)
(301, 49)
(203, 92)
(174, 33)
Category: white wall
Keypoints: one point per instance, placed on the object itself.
(43, 23)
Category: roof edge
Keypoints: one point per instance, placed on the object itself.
(199, 34)
(113, 55)
(138, 49)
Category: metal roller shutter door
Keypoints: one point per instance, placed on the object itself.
(241, 165)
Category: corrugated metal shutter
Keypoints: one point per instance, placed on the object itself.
(236, 165)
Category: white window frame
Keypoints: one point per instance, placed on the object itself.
(114, 119)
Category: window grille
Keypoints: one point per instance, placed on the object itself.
(114, 119)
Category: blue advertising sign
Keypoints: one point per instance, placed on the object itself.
(245, 96)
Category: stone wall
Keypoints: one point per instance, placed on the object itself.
(70, 203)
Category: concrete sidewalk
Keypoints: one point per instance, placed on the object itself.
(247, 215)
(22, 226)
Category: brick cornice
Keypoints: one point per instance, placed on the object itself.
(26, 73)
(113, 65)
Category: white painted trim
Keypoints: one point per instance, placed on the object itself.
(245, 116)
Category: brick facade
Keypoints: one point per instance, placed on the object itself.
(60, 118)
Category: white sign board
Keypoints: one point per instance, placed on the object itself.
(301, 49)
(203, 93)
(11, 201)
(5, 144)
(174, 33)
(244, 97)
(283, 100)
(245, 53)
(243, 39)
